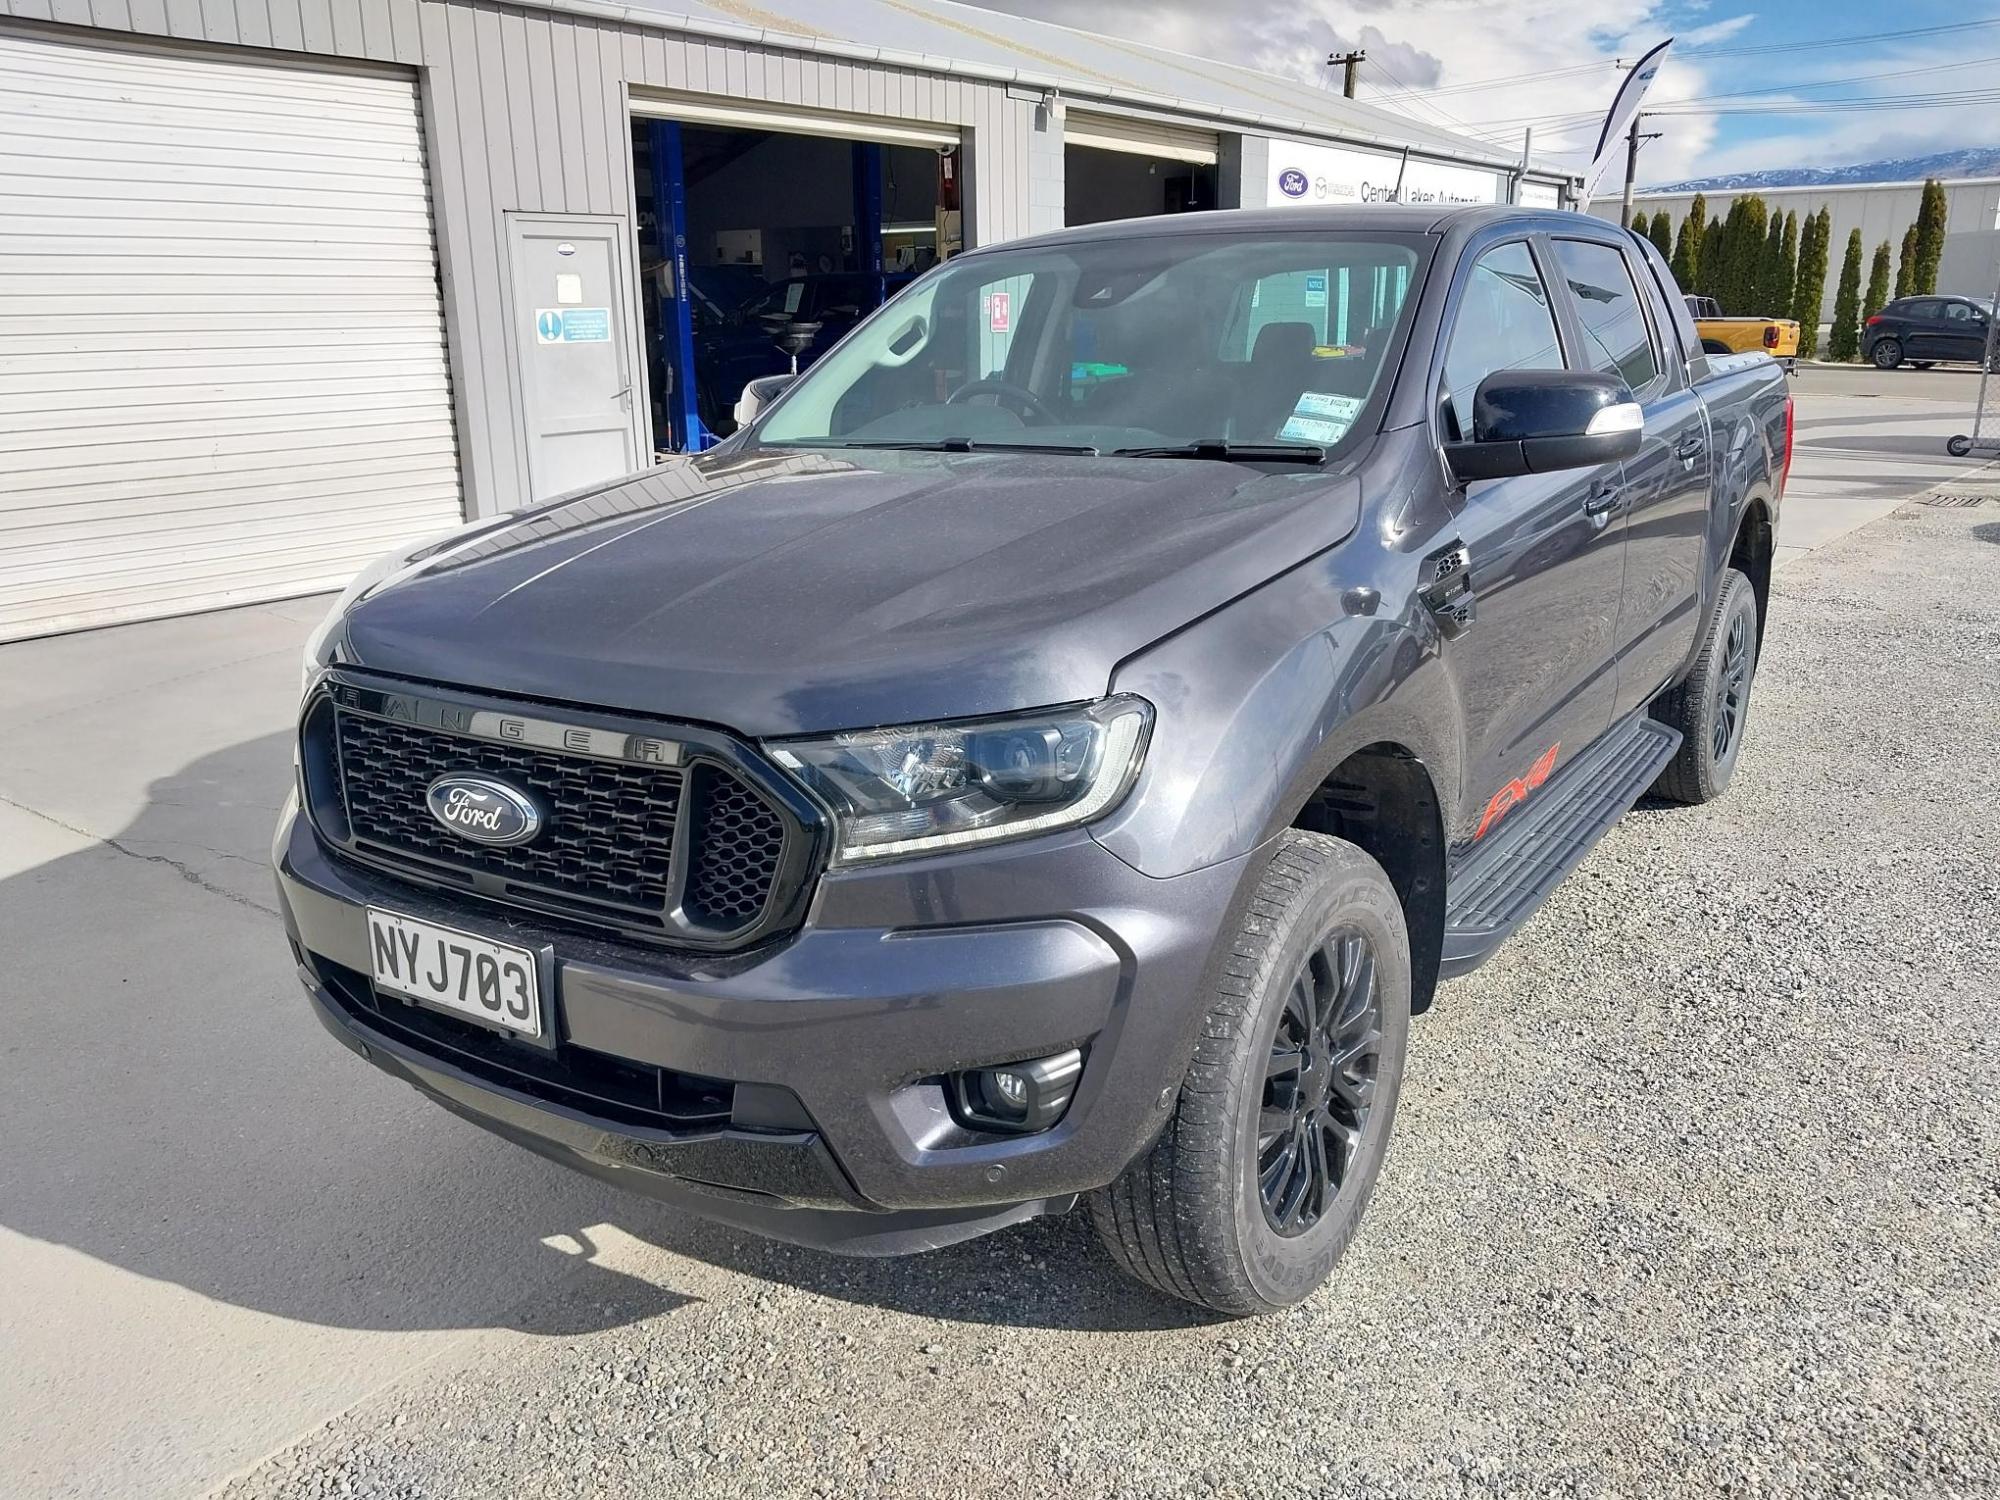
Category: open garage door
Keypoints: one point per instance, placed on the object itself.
(768, 233)
(222, 362)
(1134, 169)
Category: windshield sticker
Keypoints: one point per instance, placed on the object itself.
(999, 310)
(1325, 404)
(1313, 430)
(1321, 418)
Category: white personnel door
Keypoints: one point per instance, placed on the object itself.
(579, 394)
(222, 358)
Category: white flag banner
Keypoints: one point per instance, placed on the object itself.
(1631, 93)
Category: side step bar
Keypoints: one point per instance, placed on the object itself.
(1503, 881)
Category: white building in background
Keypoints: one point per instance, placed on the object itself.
(1881, 211)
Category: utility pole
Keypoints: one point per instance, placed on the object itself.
(1527, 160)
(1351, 61)
(1632, 141)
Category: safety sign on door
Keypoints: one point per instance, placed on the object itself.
(573, 325)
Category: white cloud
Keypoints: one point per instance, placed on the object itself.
(1559, 56)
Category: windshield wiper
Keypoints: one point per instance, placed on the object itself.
(944, 445)
(1222, 448)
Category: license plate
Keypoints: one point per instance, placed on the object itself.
(490, 982)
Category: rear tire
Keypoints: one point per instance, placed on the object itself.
(1711, 706)
(1887, 353)
(1256, 1186)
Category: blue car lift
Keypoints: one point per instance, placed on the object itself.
(686, 433)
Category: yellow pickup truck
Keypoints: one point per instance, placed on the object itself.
(1777, 337)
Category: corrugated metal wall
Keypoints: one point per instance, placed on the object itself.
(1881, 212)
(526, 110)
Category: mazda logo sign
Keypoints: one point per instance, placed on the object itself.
(483, 810)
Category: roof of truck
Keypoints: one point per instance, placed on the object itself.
(1392, 218)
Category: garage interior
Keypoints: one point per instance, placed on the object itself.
(1101, 185)
(1129, 169)
(789, 240)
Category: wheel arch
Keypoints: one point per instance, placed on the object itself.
(1751, 552)
(1380, 797)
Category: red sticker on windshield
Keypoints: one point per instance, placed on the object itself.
(999, 307)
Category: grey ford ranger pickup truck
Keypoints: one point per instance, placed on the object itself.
(1052, 750)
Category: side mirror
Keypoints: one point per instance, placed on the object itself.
(1539, 421)
(759, 394)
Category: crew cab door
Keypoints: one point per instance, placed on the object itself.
(1618, 322)
(1534, 667)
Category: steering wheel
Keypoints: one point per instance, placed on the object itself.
(1023, 402)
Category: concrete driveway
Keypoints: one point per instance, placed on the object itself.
(1867, 440)
(219, 1231)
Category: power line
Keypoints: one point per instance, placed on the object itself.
(1504, 80)
(1766, 101)
(1840, 41)
(1450, 119)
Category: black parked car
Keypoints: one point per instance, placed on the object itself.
(1051, 752)
(1924, 330)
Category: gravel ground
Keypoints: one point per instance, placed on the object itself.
(1694, 1192)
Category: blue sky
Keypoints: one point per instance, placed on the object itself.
(1493, 66)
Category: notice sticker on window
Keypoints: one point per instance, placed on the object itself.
(1316, 289)
(999, 311)
(1325, 404)
(1321, 418)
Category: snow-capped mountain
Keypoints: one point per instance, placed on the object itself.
(1972, 161)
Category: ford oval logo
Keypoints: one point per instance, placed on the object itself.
(483, 810)
(1292, 183)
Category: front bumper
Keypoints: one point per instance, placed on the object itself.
(820, 1056)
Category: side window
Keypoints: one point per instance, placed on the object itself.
(1504, 322)
(1922, 311)
(1958, 312)
(1617, 340)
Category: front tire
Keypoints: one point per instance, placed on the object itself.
(1260, 1178)
(1887, 353)
(1711, 706)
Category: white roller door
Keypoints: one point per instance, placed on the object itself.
(222, 362)
(1141, 138)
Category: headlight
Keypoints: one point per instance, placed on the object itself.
(944, 786)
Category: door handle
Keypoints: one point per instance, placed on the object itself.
(1601, 502)
(1688, 449)
(1445, 589)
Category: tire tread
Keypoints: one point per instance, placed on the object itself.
(1687, 705)
(1149, 1217)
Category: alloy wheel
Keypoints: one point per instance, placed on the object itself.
(1732, 694)
(1319, 1082)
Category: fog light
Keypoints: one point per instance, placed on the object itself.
(1018, 1097)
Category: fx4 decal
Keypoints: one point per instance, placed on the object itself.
(1516, 791)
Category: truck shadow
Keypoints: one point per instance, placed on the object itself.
(171, 1108)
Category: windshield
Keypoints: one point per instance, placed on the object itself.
(1276, 341)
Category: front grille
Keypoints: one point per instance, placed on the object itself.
(609, 835)
(738, 837)
(706, 850)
